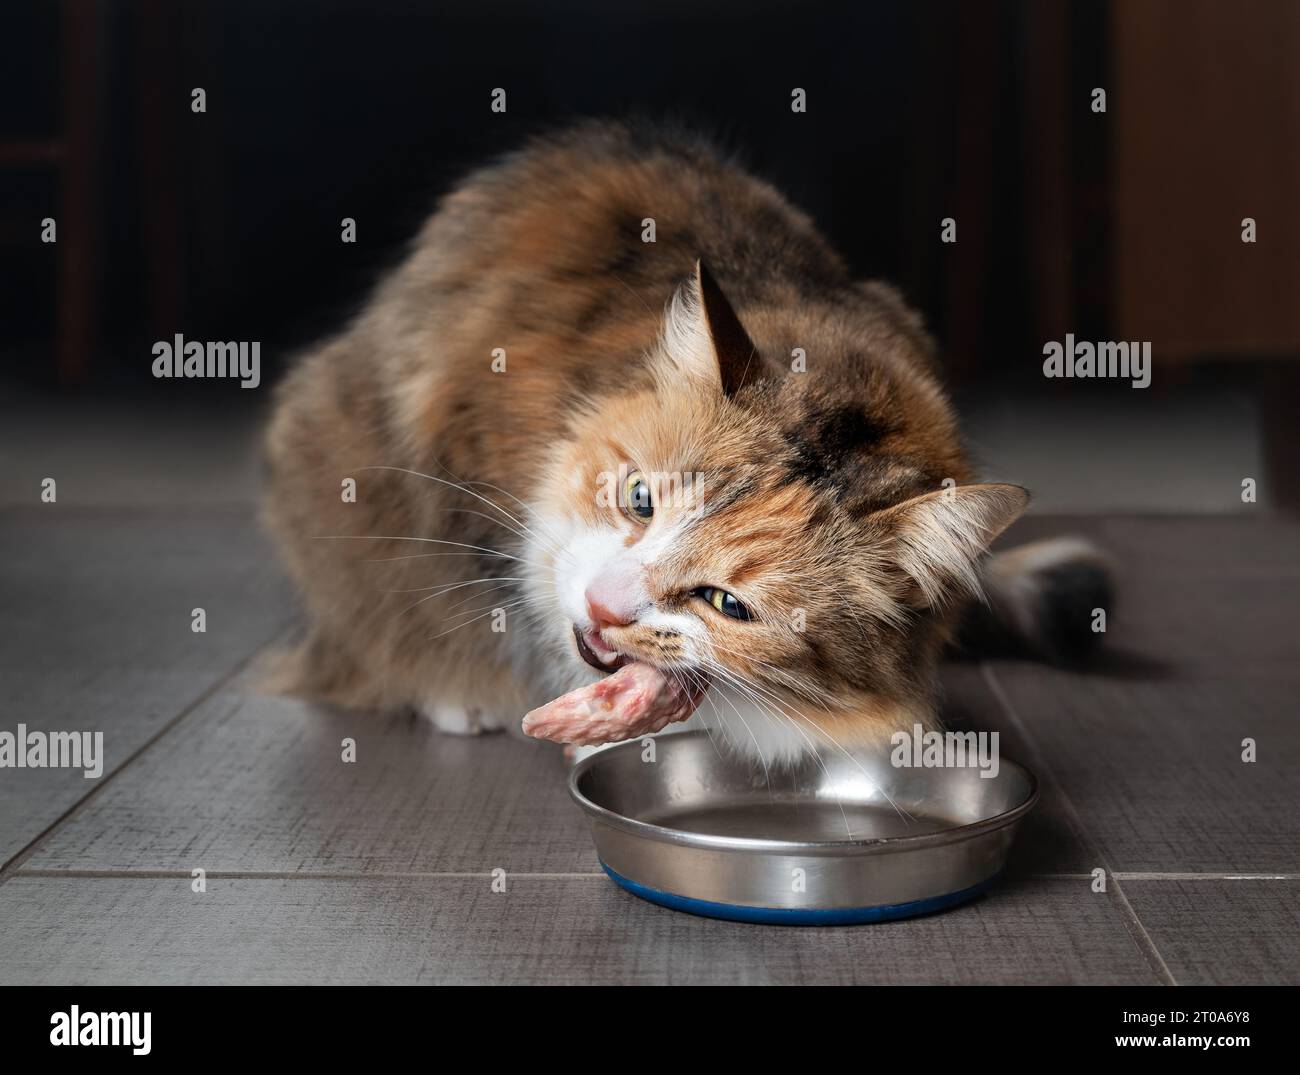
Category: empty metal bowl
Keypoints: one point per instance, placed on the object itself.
(833, 841)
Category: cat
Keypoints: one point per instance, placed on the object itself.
(622, 401)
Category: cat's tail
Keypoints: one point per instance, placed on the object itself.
(1043, 601)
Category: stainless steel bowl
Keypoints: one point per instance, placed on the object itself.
(835, 840)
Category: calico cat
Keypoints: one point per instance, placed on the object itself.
(623, 406)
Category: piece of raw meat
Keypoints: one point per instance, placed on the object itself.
(636, 700)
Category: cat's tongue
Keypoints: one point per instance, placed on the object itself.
(636, 700)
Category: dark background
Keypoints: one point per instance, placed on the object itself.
(225, 225)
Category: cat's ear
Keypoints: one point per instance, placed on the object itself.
(938, 538)
(738, 360)
(704, 340)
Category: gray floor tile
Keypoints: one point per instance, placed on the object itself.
(1155, 769)
(552, 931)
(1251, 544)
(1229, 628)
(1047, 842)
(171, 450)
(1163, 449)
(1208, 597)
(1213, 932)
(256, 783)
(97, 632)
(1147, 740)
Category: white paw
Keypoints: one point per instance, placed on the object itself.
(457, 719)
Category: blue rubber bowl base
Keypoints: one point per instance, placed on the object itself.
(798, 916)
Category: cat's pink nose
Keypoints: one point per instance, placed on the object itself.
(607, 615)
(616, 595)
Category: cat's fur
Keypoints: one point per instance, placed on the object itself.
(837, 501)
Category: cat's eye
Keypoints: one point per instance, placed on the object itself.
(724, 602)
(636, 497)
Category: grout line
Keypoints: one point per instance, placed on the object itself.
(23, 854)
(1206, 876)
(1057, 876)
(305, 875)
(187, 511)
(156, 873)
(1135, 927)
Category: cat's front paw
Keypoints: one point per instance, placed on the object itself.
(456, 719)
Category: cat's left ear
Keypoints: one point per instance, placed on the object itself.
(939, 538)
(704, 340)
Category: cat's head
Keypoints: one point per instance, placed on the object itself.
(797, 536)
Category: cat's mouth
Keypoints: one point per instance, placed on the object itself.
(635, 698)
(593, 650)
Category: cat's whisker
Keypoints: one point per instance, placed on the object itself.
(468, 492)
(795, 682)
(460, 626)
(488, 518)
(758, 692)
(769, 706)
(467, 486)
(702, 683)
(459, 486)
(434, 541)
(526, 601)
(537, 604)
(489, 609)
(758, 704)
(717, 718)
(447, 587)
(691, 680)
(427, 555)
(804, 691)
(792, 713)
(767, 774)
(816, 754)
(476, 595)
(527, 509)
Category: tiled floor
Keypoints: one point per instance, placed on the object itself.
(381, 870)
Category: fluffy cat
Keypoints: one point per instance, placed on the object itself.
(714, 454)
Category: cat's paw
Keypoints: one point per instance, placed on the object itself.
(456, 719)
